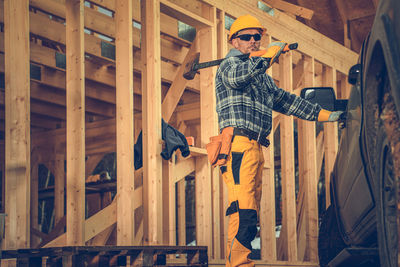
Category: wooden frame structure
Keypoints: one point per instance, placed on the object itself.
(97, 104)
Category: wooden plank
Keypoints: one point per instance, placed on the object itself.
(222, 49)
(309, 172)
(182, 14)
(34, 212)
(59, 187)
(93, 47)
(331, 138)
(291, 8)
(208, 119)
(283, 27)
(93, 225)
(267, 205)
(17, 125)
(75, 76)
(151, 86)
(287, 162)
(173, 47)
(181, 213)
(124, 121)
(183, 168)
(172, 168)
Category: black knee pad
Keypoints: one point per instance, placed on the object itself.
(247, 227)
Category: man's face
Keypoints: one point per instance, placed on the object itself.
(246, 46)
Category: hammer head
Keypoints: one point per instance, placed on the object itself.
(191, 67)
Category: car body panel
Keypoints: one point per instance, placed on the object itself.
(354, 177)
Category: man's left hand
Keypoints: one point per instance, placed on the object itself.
(337, 116)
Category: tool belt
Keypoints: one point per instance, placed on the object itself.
(219, 147)
(260, 138)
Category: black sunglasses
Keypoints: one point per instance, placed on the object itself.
(247, 37)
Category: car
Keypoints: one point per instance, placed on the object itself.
(361, 226)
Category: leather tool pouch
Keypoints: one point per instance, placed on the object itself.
(219, 147)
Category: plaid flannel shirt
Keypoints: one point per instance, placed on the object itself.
(246, 96)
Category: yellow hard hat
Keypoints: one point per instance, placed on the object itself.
(245, 22)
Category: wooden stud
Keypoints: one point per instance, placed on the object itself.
(204, 186)
(59, 187)
(309, 171)
(171, 193)
(124, 120)
(75, 77)
(182, 213)
(34, 195)
(151, 98)
(287, 162)
(331, 138)
(267, 205)
(17, 124)
(222, 50)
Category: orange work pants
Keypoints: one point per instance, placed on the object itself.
(242, 176)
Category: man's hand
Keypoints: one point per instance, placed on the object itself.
(326, 115)
(337, 116)
(274, 50)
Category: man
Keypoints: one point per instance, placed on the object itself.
(246, 96)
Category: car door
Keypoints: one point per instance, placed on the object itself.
(353, 195)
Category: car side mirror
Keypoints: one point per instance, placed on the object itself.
(354, 72)
(325, 97)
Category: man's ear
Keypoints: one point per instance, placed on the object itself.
(235, 43)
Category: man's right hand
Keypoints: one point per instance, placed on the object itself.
(273, 51)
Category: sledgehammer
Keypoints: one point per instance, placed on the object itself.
(193, 64)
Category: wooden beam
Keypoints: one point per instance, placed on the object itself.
(93, 225)
(344, 15)
(34, 212)
(17, 124)
(205, 176)
(291, 8)
(282, 27)
(124, 120)
(267, 205)
(222, 49)
(75, 77)
(183, 168)
(287, 162)
(309, 171)
(331, 138)
(181, 213)
(170, 52)
(151, 87)
(181, 14)
(59, 187)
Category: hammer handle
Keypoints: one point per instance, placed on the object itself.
(244, 56)
(215, 62)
